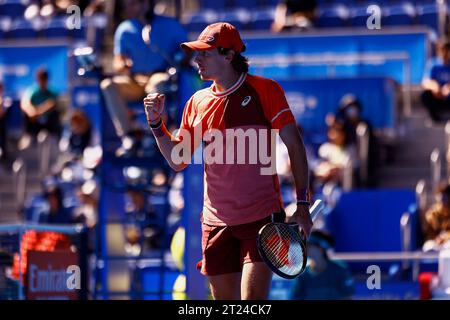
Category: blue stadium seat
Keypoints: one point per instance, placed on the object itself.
(335, 16)
(261, 19)
(56, 28)
(23, 29)
(402, 14)
(358, 16)
(79, 34)
(13, 8)
(198, 21)
(249, 4)
(369, 220)
(427, 14)
(238, 18)
(215, 5)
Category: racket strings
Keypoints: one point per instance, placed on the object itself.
(282, 247)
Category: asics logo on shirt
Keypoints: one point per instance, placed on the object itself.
(246, 101)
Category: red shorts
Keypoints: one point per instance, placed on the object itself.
(226, 249)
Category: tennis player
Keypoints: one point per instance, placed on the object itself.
(238, 198)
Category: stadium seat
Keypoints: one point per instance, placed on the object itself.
(369, 220)
(198, 21)
(23, 29)
(79, 34)
(248, 4)
(215, 5)
(427, 14)
(358, 16)
(335, 16)
(13, 8)
(56, 28)
(238, 18)
(261, 19)
(403, 14)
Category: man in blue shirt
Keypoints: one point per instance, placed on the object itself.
(140, 65)
(436, 84)
(39, 105)
(323, 279)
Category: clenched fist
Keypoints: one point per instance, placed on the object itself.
(154, 107)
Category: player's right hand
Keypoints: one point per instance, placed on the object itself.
(154, 107)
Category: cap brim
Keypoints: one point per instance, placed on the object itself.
(196, 45)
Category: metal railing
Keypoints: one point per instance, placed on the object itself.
(421, 195)
(44, 149)
(19, 170)
(436, 168)
(362, 136)
(11, 236)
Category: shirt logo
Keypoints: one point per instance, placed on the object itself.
(246, 101)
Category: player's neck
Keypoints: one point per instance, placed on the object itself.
(226, 81)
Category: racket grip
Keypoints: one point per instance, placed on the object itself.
(279, 216)
(316, 209)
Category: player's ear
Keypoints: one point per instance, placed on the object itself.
(230, 55)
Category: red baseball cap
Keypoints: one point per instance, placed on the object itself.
(220, 34)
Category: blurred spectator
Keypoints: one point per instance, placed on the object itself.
(3, 115)
(94, 7)
(8, 287)
(51, 8)
(86, 211)
(39, 105)
(350, 114)
(140, 66)
(436, 84)
(291, 14)
(57, 213)
(79, 134)
(143, 226)
(335, 155)
(323, 279)
(436, 225)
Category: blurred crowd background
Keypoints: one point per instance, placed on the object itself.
(368, 85)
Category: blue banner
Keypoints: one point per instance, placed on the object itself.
(399, 55)
(312, 99)
(19, 63)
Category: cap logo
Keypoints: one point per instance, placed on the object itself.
(210, 39)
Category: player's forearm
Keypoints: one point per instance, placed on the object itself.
(297, 156)
(166, 143)
(299, 167)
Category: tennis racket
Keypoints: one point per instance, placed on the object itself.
(281, 245)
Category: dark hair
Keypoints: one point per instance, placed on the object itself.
(444, 44)
(42, 74)
(339, 125)
(54, 191)
(239, 62)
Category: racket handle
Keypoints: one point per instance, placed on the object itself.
(316, 209)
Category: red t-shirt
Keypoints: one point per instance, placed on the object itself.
(235, 190)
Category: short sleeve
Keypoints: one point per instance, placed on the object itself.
(276, 108)
(119, 41)
(188, 125)
(188, 117)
